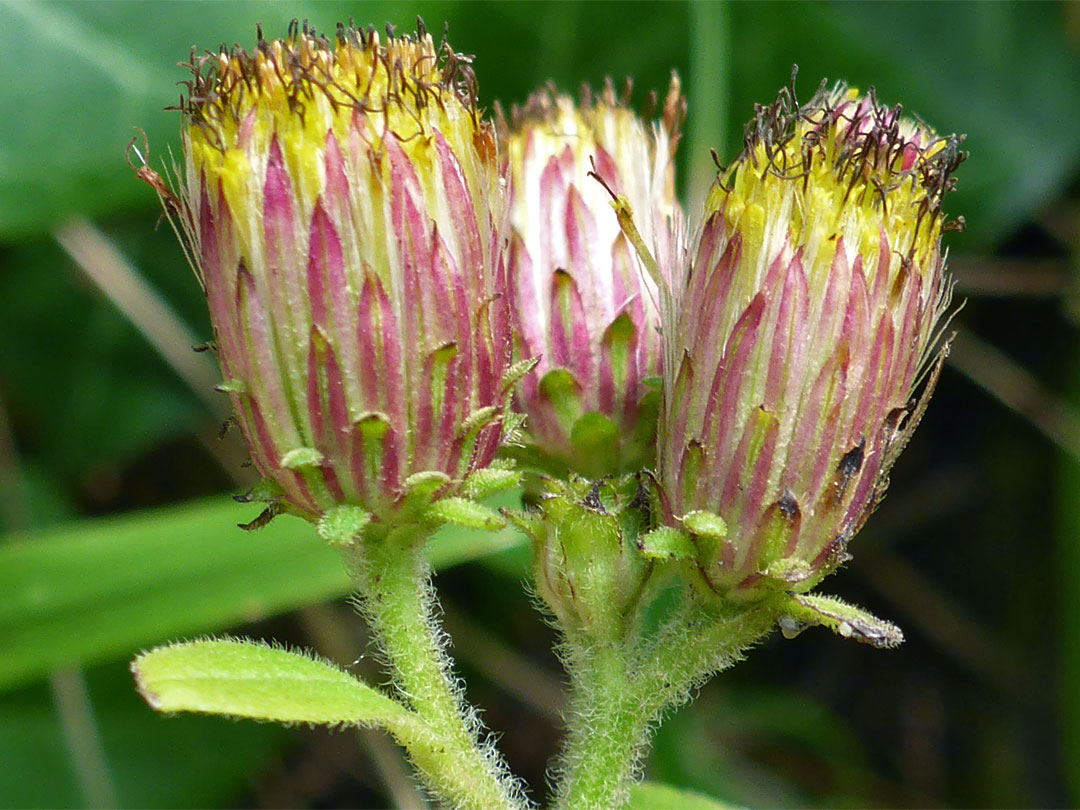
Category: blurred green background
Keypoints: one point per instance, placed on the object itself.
(118, 533)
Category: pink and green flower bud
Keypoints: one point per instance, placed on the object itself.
(344, 206)
(581, 301)
(809, 315)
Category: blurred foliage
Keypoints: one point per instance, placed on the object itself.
(94, 590)
(154, 761)
(974, 553)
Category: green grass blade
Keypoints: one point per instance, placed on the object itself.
(100, 589)
(657, 796)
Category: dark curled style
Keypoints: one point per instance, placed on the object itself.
(305, 63)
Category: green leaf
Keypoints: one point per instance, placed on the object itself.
(463, 512)
(847, 621)
(657, 796)
(705, 524)
(421, 487)
(301, 457)
(342, 525)
(516, 372)
(667, 543)
(246, 679)
(490, 480)
(100, 589)
(453, 545)
(478, 419)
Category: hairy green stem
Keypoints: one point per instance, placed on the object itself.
(699, 641)
(607, 734)
(394, 583)
(619, 694)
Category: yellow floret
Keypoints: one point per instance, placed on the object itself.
(298, 90)
(821, 179)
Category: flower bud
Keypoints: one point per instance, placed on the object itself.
(344, 206)
(580, 299)
(808, 316)
(587, 566)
